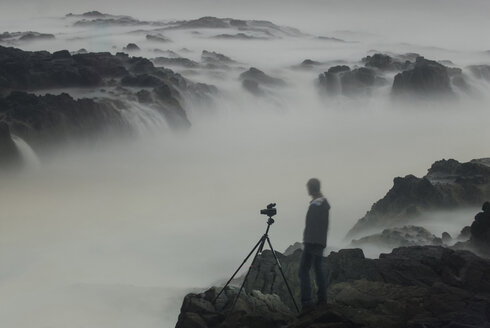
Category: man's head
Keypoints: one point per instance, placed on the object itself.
(313, 186)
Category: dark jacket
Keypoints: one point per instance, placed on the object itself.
(316, 226)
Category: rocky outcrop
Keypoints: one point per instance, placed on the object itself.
(479, 233)
(131, 47)
(254, 28)
(400, 236)
(448, 184)
(157, 38)
(215, 60)
(342, 80)
(179, 61)
(426, 78)
(385, 62)
(24, 36)
(254, 79)
(49, 117)
(422, 286)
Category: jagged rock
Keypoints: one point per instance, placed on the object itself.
(420, 286)
(238, 36)
(384, 62)
(157, 38)
(254, 74)
(167, 53)
(446, 238)
(480, 228)
(25, 36)
(141, 80)
(215, 60)
(180, 61)
(252, 309)
(256, 28)
(400, 236)
(426, 78)
(448, 184)
(144, 97)
(293, 248)
(58, 117)
(131, 47)
(480, 71)
(465, 234)
(9, 154)
(343, 80)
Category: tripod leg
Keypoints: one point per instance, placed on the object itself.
(259, 243)
(259, 250)
(282, 273)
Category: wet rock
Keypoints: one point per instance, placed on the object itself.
(141, 80)
(427, 78)
(400, 236)
(342, 80)
(254, 74)
(180, 61)
(414, 285)
(144, 97)
(157, 38)
(385, 62)
(448, 184)
(480, 228)
(446, 238)
(131, 47)
(215, 60)
(480, 71)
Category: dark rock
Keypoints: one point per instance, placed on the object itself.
(180, 61)
(426, 78)
(131, 47)
(480, 71)
(144, 97)
(411, 285)
(401, 236)
(256, 75)
(25, 36)
(343, 80)
(157, 38)
(215, 59)
(329, 38)
(238, 36)
(448, 184)
(56, 118)
(308, 63)
(384, 62)
(167, 53)
(293, 248)
(446, 238)
(110, 20)
(465, 234)
(9, 154)
(480, 228)
(141, 80)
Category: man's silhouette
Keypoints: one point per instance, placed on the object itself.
(315, 241)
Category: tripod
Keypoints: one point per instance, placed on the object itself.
(259, 247)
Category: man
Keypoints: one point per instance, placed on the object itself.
(314, 241)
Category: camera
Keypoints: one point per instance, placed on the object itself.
(270, 211)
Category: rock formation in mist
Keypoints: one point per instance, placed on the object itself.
(479, 233)
(448, 184)
(254, 80)
(399, 236)
(12, 37)
(342, 80)
(423, 286)
(47, 117)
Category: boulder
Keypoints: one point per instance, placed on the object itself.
(215, 60)
(427, 78)
(131, 47)
(342, 80)
(448, 184)
(179, 61)
(256, 75)
(420, 286)
(157, 38)
(385, 62)
(399, 236)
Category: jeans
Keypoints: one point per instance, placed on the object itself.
(312, 255)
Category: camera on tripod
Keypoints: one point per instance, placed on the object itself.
(270, 211)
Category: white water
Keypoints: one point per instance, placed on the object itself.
(29, 158)
(113, 235)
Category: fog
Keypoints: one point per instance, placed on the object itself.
(115, 233)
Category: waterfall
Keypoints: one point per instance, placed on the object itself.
(29, 157)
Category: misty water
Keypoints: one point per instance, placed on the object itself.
(114, 233)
